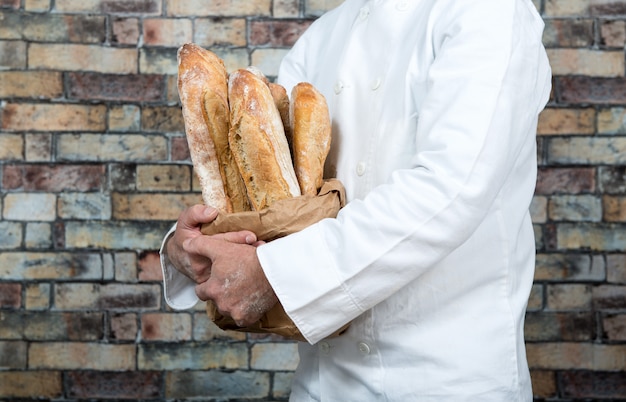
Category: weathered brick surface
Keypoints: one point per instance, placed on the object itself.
(220, 32)
(53, 28)
(568, 33)
(191, 356)
(52, 117)
(590, 384)
(274, 356)
(237, 385)
(544, 383)
(31, 84)
(130, 385)
(556, 180)
(594, 63)
(594, 90)
(166, 31)
(10, 295)
(552, 326)
(47, 326)
(82, 296)
(164, 326)
(564, 121)
(57, 178)
(77, 57)
(81, 356)
(127, 87)
(95, 168)
(38, 384)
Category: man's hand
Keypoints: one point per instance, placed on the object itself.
(237, 284)
(195, 263)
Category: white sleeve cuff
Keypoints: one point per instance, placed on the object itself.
(179, 290)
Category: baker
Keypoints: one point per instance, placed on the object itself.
(434, 107)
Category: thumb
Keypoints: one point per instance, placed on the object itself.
(197, 215)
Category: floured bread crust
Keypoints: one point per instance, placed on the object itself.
(257, 140)
(203, 89)
(281, 100)
(311, 131)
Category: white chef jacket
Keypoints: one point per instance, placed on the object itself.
(434, 107)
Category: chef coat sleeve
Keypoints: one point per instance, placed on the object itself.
(179, 291)
(485, 88)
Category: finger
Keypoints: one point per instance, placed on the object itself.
(206, 246)
(201, 291)
(241, 237)
(196, 215)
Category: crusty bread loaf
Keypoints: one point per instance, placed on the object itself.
(281, 100)
(311, 131)
(200, 71)
(203, 89)
(257, 141)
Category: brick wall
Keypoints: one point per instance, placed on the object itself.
(94, 168)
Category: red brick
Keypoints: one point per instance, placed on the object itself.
(568, 32)
(10, 295)
(13, 355)
(149, 265)
(131, 7)
(609, 297)
(166, 31)
(549, 326)
(110, 385)
(10, 4)
(39, 385)
(614, 327)
(88, 296)
(165, 327)
(162, 119)
(52, 326)
(565, 180)
(52, 117)
(544, 383)
(609, 8)
(54, 178)
(125, 31)
(614, 208)
(179, 149)
(38, 27)
(613, 33)
(128, 87)
(123, 326)
(592, 384)
(31, 84)
(594, 90)
(276, 32)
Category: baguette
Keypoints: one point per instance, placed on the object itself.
(311, 131)
(257, 141)
(281, 100)
(203, 89)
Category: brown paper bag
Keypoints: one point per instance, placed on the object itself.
(280, 219)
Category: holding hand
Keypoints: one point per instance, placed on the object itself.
(224, 266)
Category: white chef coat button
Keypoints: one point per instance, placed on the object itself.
(364, 13)
(324, 348)
(360, 168)
(402, 5)
(364, 348)
(338, 87)
(376, 83)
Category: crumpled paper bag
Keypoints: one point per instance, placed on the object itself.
(280, 219)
